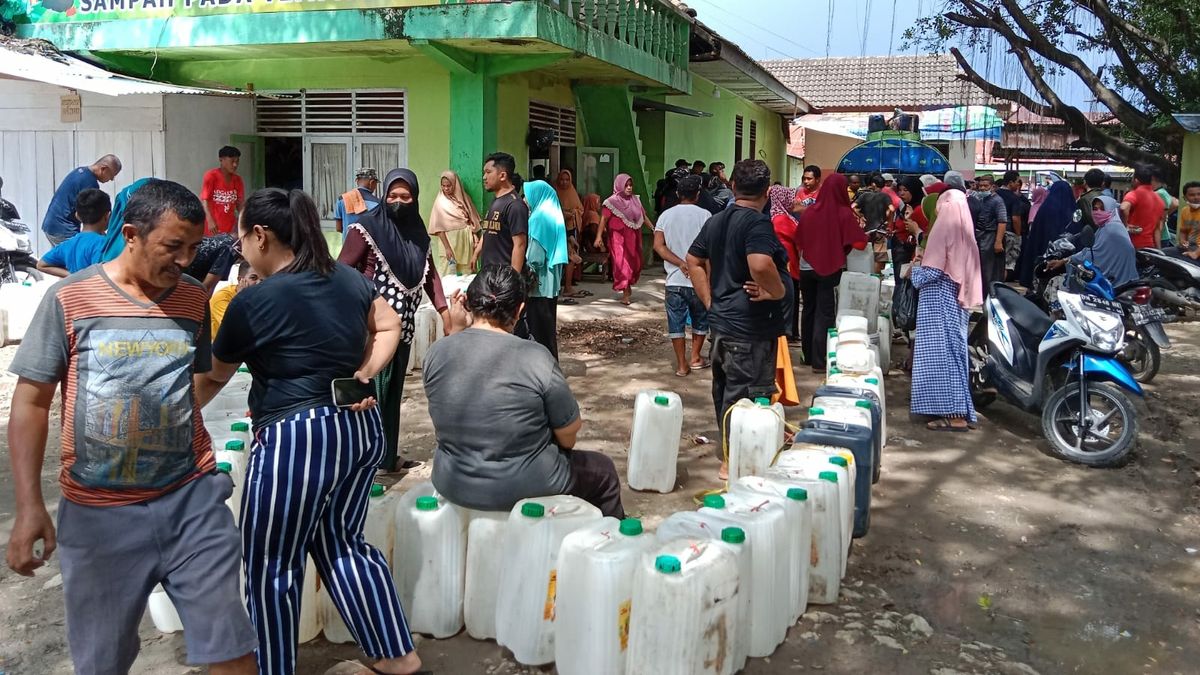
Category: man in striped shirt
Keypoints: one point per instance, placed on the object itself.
(142, 502)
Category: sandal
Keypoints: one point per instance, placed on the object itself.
(682, 373)
(701, 364)
(583, 294)
(568, 301)
(943, 424)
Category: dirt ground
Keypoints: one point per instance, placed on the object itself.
(985, 555)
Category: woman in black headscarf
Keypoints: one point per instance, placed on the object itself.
(390, 245)
(910, 223)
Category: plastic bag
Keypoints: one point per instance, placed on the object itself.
(904, 306)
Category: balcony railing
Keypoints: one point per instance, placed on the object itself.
(651, 26)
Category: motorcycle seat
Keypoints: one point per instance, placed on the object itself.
(1025, 314)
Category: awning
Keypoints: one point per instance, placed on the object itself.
(40, 65)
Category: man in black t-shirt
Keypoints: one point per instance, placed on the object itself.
(739, 270)
(1017, 205)
(504, 232)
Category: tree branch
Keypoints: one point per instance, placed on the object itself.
(1153, 46)
(1134, 74)
(996, 91)
(1126, 112)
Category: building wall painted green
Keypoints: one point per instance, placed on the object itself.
(712, 138)
(515, 93)
(427, 88)
(1189, 168)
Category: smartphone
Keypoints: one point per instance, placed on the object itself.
(348, 391)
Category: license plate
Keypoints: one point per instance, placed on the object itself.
(1144, 315)
(1101, 304)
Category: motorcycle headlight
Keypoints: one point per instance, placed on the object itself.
(1105, 330)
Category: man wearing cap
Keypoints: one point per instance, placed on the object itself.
(358, 201)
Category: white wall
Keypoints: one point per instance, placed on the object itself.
(37, 150)
(197, 127)
(962, 158)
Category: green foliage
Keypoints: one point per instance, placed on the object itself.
(1149, 51)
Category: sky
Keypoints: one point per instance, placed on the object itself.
(782, 29)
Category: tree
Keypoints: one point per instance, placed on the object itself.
(1150, 50)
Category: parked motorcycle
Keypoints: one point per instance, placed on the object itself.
(1144, 332)
(17, 264)
(1175, 283)
(1064, 369)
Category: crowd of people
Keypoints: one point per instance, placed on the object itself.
(139, 342)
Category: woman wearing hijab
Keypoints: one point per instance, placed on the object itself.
(1055, 218)
(827, 231)
(781, 200)
(390, 245)
(454, 220)
(948, 284)
(546, 256)
(114, 243)
(910, 223)
(1037, 197)
(622, 218)
(1111, 250)
(313, 463)
(572, 210)
(929, 203)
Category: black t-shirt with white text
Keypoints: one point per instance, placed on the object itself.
(725, 241)
(507, 217)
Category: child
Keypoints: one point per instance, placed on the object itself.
(92, 208)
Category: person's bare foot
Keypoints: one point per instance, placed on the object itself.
(723, 472)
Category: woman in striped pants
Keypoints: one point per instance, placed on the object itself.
(310, 321)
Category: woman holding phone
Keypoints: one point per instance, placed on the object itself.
(312, 462)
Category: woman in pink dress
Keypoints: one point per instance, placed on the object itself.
(622, 218)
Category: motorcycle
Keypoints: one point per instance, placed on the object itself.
(1064, 369)
(17, 264)
(1145, 336)
(1175, 283)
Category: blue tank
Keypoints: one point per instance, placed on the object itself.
(858, 440)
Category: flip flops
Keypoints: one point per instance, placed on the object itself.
(942, 424)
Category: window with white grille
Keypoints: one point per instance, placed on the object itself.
(559, 119)
(332, 112)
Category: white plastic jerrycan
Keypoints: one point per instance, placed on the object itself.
(233, 452)
(596, 566)
(696, 526)
(872, 382)
(765, 525)
(853, 327)
(485, 551)
(825, 553)
(793, 498)
(162, 611)
(526, 604)
(755, 435)
(380, 531)
(814, 462)
(684, 615)
(429, 563)
(857, 358)
(654, 442)
(427, 327)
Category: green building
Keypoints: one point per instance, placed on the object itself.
(624, 85)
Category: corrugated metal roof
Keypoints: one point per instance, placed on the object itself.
(43, 65)
(912, 82)
(734, 70)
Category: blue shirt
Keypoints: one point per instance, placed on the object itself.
(79, 252)
(348, 219)
(60, 220)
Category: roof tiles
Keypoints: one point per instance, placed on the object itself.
(907, 81)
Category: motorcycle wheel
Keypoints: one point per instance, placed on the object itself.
(1113, 432)
(1141, 355)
